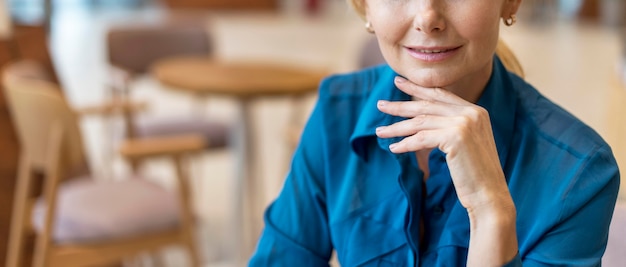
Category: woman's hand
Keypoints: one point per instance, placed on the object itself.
(462, 130)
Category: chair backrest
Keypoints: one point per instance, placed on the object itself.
(36, 106)
(135, 48)
(370, 55)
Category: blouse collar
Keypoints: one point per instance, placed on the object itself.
(498, 99)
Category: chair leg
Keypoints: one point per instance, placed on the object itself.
(194, 254)
(134, 166)
(18, 221)
(53, 173)
(134, 261)
(42, 249)
(187, 218)
(117, 264)
(157, 258)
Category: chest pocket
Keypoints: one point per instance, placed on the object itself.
(372, 243)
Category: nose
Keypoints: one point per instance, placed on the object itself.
(428, 17)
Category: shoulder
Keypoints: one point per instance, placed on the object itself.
(553, 123)
(565, 165)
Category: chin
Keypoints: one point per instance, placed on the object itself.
(426, 77)
(430, 80)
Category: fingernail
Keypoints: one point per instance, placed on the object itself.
(392, 146)
(399, 79)
(378, 129)
(382, 103)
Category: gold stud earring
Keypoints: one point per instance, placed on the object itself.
(511, 20)
(368, 27)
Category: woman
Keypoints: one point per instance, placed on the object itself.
(441, 158)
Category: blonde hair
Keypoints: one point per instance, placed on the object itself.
(358, 6)
(509, 60)
(506, 55)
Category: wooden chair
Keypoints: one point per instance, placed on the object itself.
(78, 221)
(132, 49)
(25, 41)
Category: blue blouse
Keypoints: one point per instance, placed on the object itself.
(347, 192)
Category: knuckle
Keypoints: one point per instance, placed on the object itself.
(461, 134)
(413, 142)
(478, 113)
(420, 137)
(462, 131)
(438, 92)
(425, 105)
(474, 115)
(419, 120)
(464, 122)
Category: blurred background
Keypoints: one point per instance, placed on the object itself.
(573, 51)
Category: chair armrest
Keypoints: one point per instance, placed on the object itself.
(137, 149)
(112, 108)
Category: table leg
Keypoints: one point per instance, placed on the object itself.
(248, 189)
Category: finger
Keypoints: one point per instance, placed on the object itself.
(426, 139)
(410, 109)
(432, 94)
(412, 126)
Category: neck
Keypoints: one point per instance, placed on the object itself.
(471, 87)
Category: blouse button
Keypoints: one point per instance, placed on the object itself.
(438, 210)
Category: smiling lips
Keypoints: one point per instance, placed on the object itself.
(432, 54)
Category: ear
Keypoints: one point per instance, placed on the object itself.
(510, 7)
(359, 7)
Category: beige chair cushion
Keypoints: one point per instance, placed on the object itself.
(216, 133)
(92, 211)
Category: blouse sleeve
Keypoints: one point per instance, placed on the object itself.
(296, 224)
(580, 237)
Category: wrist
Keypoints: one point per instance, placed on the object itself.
(500, 208)
(493, 236)
(490, 204)
(493, 217)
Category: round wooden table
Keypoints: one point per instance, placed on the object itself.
(245, 82)
(241, 80)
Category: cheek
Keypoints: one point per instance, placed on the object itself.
(390, 19)
(481, 29)
(391, 28)
(388, 40)
(391, 52)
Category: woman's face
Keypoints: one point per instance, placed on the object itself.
(439, 43)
